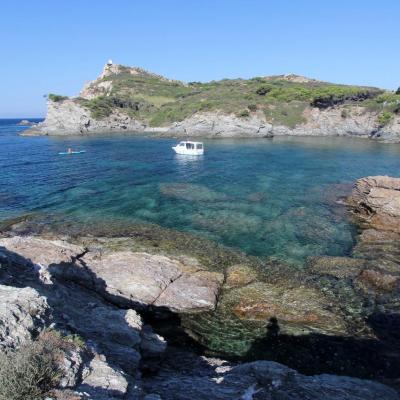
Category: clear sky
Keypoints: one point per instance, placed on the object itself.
(57, 45)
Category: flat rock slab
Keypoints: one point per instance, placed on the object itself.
(127, 278)
(154, 280)
(26, 250)
(141, 279)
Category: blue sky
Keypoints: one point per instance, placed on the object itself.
(55, 46)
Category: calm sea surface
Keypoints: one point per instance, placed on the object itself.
(266, 197)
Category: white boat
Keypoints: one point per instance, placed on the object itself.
(189, 148)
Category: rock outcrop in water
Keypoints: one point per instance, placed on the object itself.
(91, 291)
(375, 204)
(376, 201)
(25, 122)
(68, 117)
(129, 99)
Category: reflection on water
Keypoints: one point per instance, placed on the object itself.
(188, 160)
(267, 197)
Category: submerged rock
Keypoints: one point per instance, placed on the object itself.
(240, 275)
(296, 310)
(338, 267)
(191, 192)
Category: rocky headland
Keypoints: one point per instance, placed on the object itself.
(130, 99)
(156, 314)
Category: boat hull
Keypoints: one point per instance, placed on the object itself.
(188, 152)
(65, 153)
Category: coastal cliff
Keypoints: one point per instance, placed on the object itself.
(130, 99)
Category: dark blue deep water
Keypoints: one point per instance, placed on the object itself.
(266, 197)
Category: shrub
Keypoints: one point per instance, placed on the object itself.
(99, 107)
(397, 91)
(257, 79)
(289, 115)
(57, 97)
(33, 370)
(263, 90)
(384, 118)
(243, 114)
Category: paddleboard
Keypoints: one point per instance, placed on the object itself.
(62, 153)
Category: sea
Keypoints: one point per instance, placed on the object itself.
(279, 197)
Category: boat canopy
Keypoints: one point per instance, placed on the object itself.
(191, 145)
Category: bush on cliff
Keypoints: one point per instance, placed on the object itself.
(33, 370)
(100, 107)
(57, 97)
(243, 114)
(332, 96)
(384, 118)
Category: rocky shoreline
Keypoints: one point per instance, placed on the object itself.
(156, 321)
(69, 118)
(131, 100)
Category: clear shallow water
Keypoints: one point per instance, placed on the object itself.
(265, 197)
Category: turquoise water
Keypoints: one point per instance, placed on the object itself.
(266, 197)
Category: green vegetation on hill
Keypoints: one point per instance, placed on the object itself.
(159, 101)
(387, 105)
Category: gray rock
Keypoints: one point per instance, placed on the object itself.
(70, 366)
(38, 253)
(376, 200)
(25, 122)
(129, 278)
(263, 380)
(222, 125)
(23, 313)
(114, 332)
(101, 381)
(151, 343)
(69, 117)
